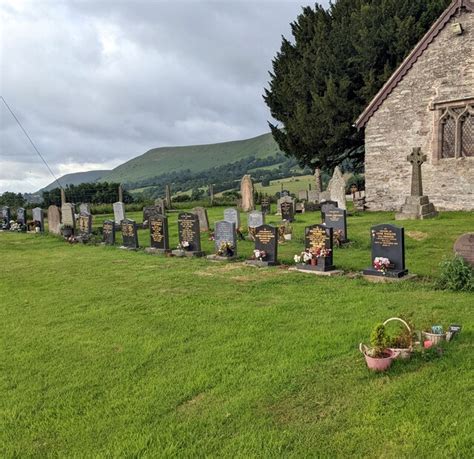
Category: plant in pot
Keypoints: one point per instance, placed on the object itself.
(378, 357)
(402, 341)
(435, 334)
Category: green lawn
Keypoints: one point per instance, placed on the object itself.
(106, 352)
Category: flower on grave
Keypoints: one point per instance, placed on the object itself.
(212, 236)
(259, 254)
(307, 256)
(321, 252)
(381, 264)
(183, 245)
(297, 259)
(338, 237)
(225, 249)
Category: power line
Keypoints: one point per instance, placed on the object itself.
(29, 138)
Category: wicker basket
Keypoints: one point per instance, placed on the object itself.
(404, 353)
(435, 338)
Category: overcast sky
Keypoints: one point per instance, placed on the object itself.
(96, 83)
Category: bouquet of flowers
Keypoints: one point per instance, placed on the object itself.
(337, 237)
(259, 254)
(321, 252)
(381, 264)
(225, 249)
(184, 245)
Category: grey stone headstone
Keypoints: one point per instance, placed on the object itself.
(313, 196)
(464, 247)
(129, 234)
(336, 218)
(266, 238)
(151, 211)
(303, 195)
(38, 217)
(189, 231)
(201, 213)
(233, 216)
(225, 233)
(108, 229)
(21, 216)
(54, 219)
(337, 188)
(159, 238)
(119, 212)
(160, 205)
(67, 212)
(85, 207)
(85, 223)
(388, 241)
(326, 206)
(255, 219)
(6, 217)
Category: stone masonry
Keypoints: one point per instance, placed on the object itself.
(407, 119)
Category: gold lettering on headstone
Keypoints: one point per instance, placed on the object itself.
(265, 236)
(157, 230)
(317, 238)
(127, 230)
(108, 228)
(333, 216)
(385, 238)
(186, 230)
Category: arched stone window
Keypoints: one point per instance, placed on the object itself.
(448, 134)
(467, 132)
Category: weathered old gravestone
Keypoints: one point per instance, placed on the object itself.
(336, 218)
(159, 239)
(388, 241)
(266, 239)
(416, 206)
(225, 241)
(326, 206)
(464, 247)
(313, 196)
(318, 241)
(108, 230)
(265, 205)
(85, 207)
(233, 216)
(189, 235)
(246, 191)
(255, 218)
(287, 211)
(283, 199)
(300, 207)
(129, 234)
(318, 181)
(160, 205)
(201, 213)
(119, 212)
(337, 188)
(149, 212)
(38, 218)
(6, 217)
(85, 223)
(68, 218)
(303, 195)
(21, 216)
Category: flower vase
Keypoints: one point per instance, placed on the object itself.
(313, 262)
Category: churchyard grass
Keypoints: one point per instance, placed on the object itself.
(118, 353)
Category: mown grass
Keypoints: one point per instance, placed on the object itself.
(106, 352)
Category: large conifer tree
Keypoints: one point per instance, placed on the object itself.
(336, 62)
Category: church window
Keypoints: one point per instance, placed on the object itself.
(467, 134)
(448, 135)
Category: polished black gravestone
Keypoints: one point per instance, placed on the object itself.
(316, 238)
(287, 211)
(108, 230)
(129, 234)
(325, 206)
(388, 241)
(266, 239)
(265, 206)
(225, 241)
(159, 239)
(189, 235)
(336, 218)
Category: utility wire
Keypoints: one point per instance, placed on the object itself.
(29, 138)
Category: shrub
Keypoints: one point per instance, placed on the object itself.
(456, 275)
(378, 340)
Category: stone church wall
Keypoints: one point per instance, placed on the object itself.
(406, 119)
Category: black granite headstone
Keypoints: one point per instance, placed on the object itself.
(108, 229)
(336, 218)
(189, 232)
(317, 237)
(129, 234)
(388, 241)
(325, 206)
(266, 238)
(287, 211)
(159, 238)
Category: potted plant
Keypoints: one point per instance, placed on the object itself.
(435, 334)
(402, 342)
(378, 357)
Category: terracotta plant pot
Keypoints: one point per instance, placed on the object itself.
(378, 363)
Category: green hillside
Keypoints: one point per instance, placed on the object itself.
(76, 179)
(196, 158)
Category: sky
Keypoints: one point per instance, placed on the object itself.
(96, 83)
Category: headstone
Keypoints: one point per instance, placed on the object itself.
(337, 188)
(159, 239)
(388, 242)
(21, 216)
(38, 218)
(265, 205)
(189, 234)
(300, 207)
(85, 207)
(201, 213)
(287, 210)
(416, 205)
(119, 212)
(225, 239)
(67, 213)
(129, 234)
(246, 191)
(326, 206)
(255, 218)
(336, 218)
(6, 217)
(108, 229)
(233, 216)
(85, 223)
(318, 240)
(303, 195)
(464, 247)
(313, 196)
(288, 199)
(266, 239)
(318, 181)
(149, 212)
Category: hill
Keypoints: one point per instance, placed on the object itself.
(76, 179)
(195, 158)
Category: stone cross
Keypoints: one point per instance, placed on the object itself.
(416, 158)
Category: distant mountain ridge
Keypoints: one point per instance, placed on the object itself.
(76, 178)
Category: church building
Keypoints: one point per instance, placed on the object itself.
(427, 103)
